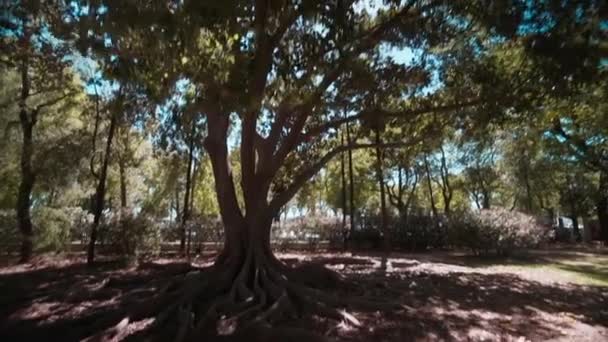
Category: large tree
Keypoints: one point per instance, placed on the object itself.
(268, 75)
(45, 82)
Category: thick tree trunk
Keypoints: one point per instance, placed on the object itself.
(100, 191)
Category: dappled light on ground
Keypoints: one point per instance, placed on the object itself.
(441, 297)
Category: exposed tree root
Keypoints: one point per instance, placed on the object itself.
(232, 297)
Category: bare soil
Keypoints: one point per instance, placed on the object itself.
(551, 295)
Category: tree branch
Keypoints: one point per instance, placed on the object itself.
(406, 114)
(299, 180)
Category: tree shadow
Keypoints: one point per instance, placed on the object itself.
(38, 304)
(475, 306)
(73, 301)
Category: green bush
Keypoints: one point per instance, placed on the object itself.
(53, 228)
(496, 231)
(131, 235)
(9, 235)
(418, 233)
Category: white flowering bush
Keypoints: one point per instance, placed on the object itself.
(497, 231)
(310, 229)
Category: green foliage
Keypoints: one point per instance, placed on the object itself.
(131, 235)
(54, 228)
(496, 230)
(9, 236)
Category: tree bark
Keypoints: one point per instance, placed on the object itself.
(191, 204)
(344, 208)
(186, 209)
(123, 183)
(383, 213)
(487, 196)
(602, 207)
(25, 191)
(430, 188)
(574, 217)
(446, 188)
(351, 182)
(27, 121)
(100, 191)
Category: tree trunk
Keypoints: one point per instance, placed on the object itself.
(24, 196)
(27, 121)
(191, 205)
(100, 192)
(430, 188)
(446, 188)
(186, 210)
(351, 182)
(383, 214)
(486, 199)
(177, 207)
(123, 184)
(602, 207)
(344, 209)
(247, 284)
(574, 216)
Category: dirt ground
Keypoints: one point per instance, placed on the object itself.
(549, 295)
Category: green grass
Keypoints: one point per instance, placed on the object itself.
(581, 268)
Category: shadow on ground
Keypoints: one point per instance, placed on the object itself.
(70, 302)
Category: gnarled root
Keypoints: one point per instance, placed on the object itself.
(233, 297)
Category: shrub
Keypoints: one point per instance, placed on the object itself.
(310, 229)
(366, 238)
(496, 230)
(418, 233)
(9, 235)
(54, 227)
(131, 234)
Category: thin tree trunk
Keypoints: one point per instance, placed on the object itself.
(383, 214)
(191, 205)
(486, 199)
(574, 217)
(186, 211)
(24, 196)
(100, 192)
(430, 187)
(446, 188)
(529, 200)
(123, 184)
(344, 208)
(602, 207)
(351, 182)
(26, 185)
(177, 207)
